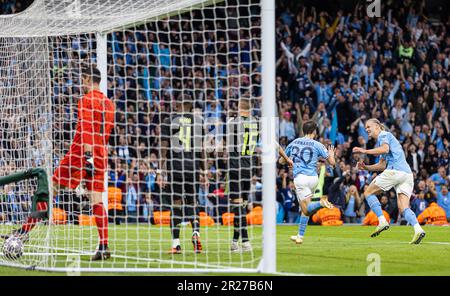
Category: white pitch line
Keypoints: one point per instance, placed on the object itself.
(437, 243)
(296, 274)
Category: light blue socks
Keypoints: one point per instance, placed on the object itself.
(312, 207)
(374, 205)
(409, 215)
(302, 226)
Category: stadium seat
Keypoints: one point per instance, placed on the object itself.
(162, 218)
(328, 217)
(114, 199)
(59, 216)
(227, 219)
(255, 217)
(206, 220)
(86, 220)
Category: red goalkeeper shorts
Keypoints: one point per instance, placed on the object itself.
(70, 173)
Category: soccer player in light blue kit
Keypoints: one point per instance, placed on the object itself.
(396, 174)
(303, 154)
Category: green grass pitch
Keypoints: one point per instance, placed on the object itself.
(326, 250)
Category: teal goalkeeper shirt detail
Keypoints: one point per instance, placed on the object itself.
(305, 153)
(395, 158)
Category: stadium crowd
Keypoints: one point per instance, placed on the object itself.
(13, 6)
(335, 66)
(341, 67)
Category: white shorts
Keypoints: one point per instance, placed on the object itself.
(305, 186)
(401, 181)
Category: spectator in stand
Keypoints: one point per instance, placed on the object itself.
(336, 192)
(147, 208)
(157, 192)
(132, 199)
(353, 202)
(413, 158)
(433, 215)
(419, 204)
(122, 150)
(291, 206)
(372, 219)
(439, 179)
(254, 197)
(389, 204)
(219, 200)
(443, 200)
(204, 202)
(287, 127)
(328, 217)
(115, 201)
(427, 190)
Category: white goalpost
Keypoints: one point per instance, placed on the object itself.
(152, 55)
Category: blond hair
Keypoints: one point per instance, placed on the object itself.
(374, 120)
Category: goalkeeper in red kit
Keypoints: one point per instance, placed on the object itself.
(88, 154)
(87, 157)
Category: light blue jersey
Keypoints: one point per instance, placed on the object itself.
(305, 153)
(395, 158)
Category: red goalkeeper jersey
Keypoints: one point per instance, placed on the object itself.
(95, 122)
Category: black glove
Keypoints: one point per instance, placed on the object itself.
(89, 164)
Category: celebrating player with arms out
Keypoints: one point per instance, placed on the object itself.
(181, 158)
(396, 173)
(242, 138)
(305, 152)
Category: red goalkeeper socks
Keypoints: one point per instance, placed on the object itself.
(41, 206)
(102, 222)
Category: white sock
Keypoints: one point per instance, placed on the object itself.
(381, 219)
(417, 228)
(175, 242)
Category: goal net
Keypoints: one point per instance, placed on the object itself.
(151, 55)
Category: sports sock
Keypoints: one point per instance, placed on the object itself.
(382, 219)
(193, 217)
(417, 228)
(411, 218)
(302, 225)
(175, 222)
(101, 219)
(195, 226)
(312, 207)
(240, 223)
(375, 206)
(236, 222)
(31, 222)
(175, 242)
(244, 232)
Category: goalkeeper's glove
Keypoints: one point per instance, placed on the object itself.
(89, 164)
